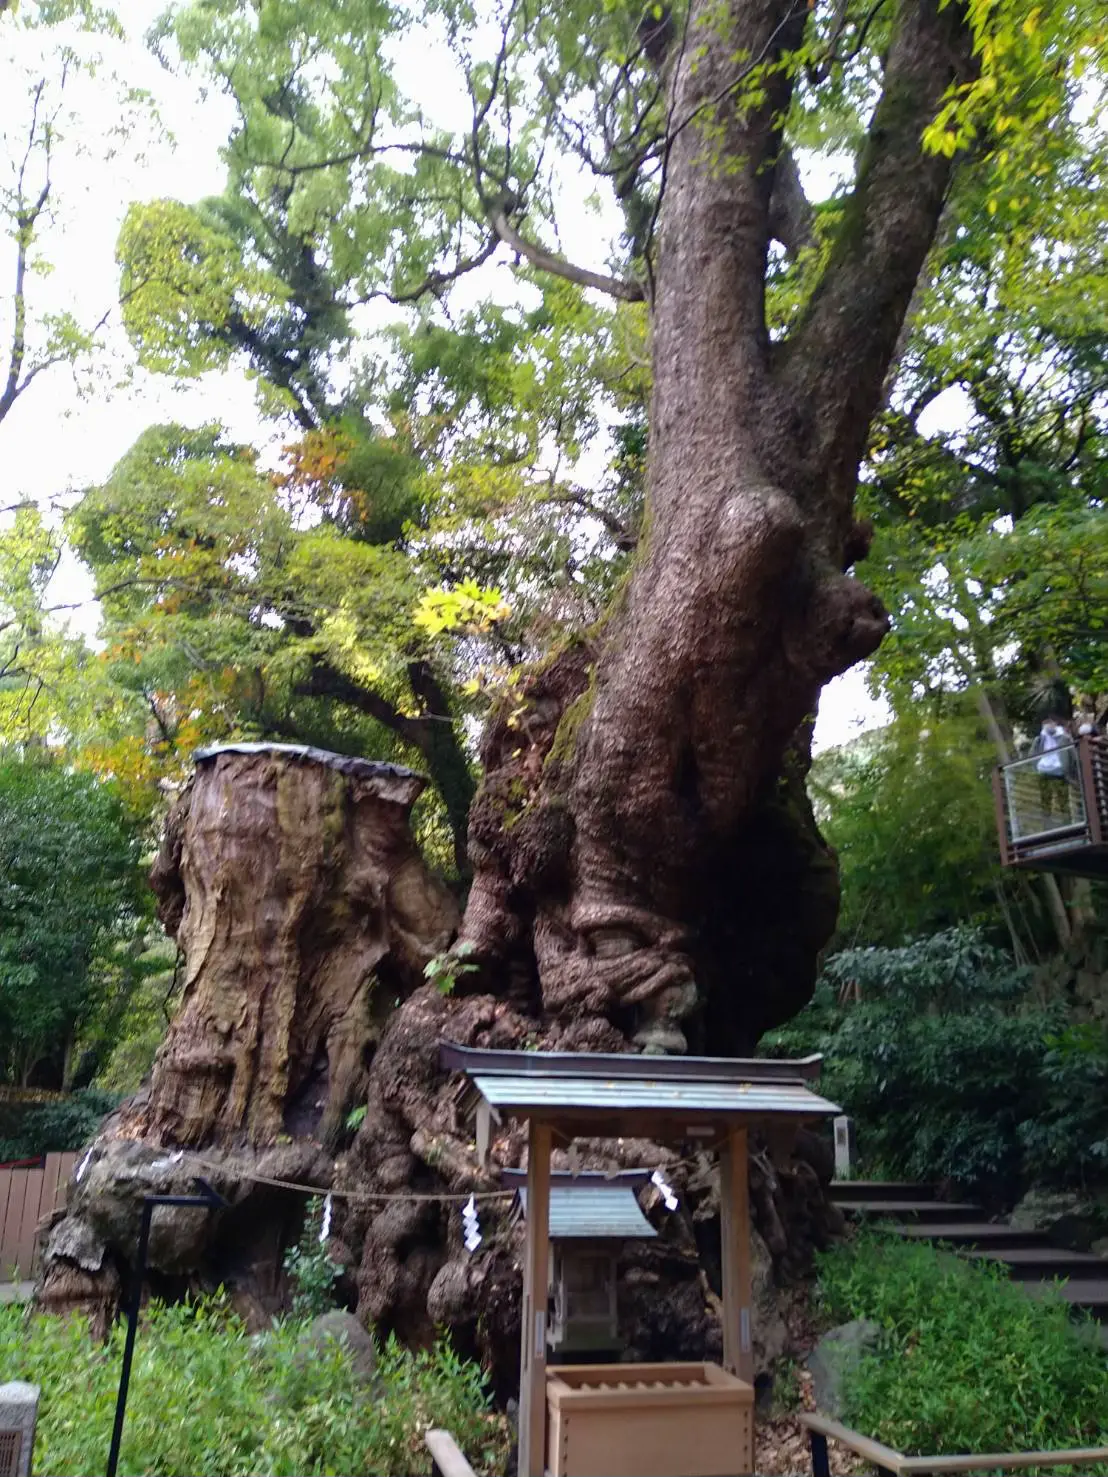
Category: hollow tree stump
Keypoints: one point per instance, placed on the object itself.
(304, 913)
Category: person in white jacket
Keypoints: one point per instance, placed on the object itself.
(1054, 764)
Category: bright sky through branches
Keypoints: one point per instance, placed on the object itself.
(71, 427)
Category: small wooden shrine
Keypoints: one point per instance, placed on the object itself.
(592, 1217)
(656, 1420)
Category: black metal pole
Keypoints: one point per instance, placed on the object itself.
(821, 1466)
(209, 1200)
(132, 1329)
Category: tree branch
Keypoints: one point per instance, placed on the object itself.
(625, 539)
(443, 753)
(433, 733)
(327, 681)
(547, 261)
(791, 219)
(26, 218)
(834, 364)
(435, 281)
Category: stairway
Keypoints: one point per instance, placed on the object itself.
(913, 1212)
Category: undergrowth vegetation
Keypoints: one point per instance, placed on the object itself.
(952, 1070)
(30, 1129)
(206, 1397)
(968, 1361)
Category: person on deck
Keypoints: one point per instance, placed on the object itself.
(1053, 753)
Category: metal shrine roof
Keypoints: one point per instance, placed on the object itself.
(629, 1064)
(675, 1097)
(593, 1212)
(532, 1095)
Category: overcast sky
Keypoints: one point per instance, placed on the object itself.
(68, 431)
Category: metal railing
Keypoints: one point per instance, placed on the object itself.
(1040, 811)
(1041, 804)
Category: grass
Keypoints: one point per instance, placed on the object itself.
(968, 1361)
(206, 1398)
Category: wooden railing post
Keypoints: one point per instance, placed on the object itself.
(446, 1457)
(734, 1205)
(536, 1254)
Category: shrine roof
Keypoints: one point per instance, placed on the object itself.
(668, 1097)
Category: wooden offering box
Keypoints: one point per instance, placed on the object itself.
(648, 1420)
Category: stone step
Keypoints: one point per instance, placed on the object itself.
(918, 1211)
(869, 1190)
(1092, 1296)
(1030, 1263)
(983, 1234)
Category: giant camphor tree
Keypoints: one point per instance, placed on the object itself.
(647, 869)
(642, 844)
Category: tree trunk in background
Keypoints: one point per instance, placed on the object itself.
(303, 911)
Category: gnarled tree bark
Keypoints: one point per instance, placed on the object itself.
(647, 869)
(304, 915)
(642, 842)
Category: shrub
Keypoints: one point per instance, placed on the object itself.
(970, 1362)
(1068, 1139)
(30, 1129)
(310, 1268)
(73, 906)
(950, 1072)
(205, 1397)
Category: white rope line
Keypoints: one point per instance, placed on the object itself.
(410, 1196)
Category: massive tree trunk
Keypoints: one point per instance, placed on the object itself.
(642, 842)
(647, 870)
(304, 915)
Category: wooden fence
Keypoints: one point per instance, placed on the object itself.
(28, 1196)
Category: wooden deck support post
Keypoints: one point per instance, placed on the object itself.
(734, 1201)
(536, 1257)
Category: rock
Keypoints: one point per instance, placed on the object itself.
(345, 1329)
(1069, 1219)
(836, 1357)
(1100, 1247)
